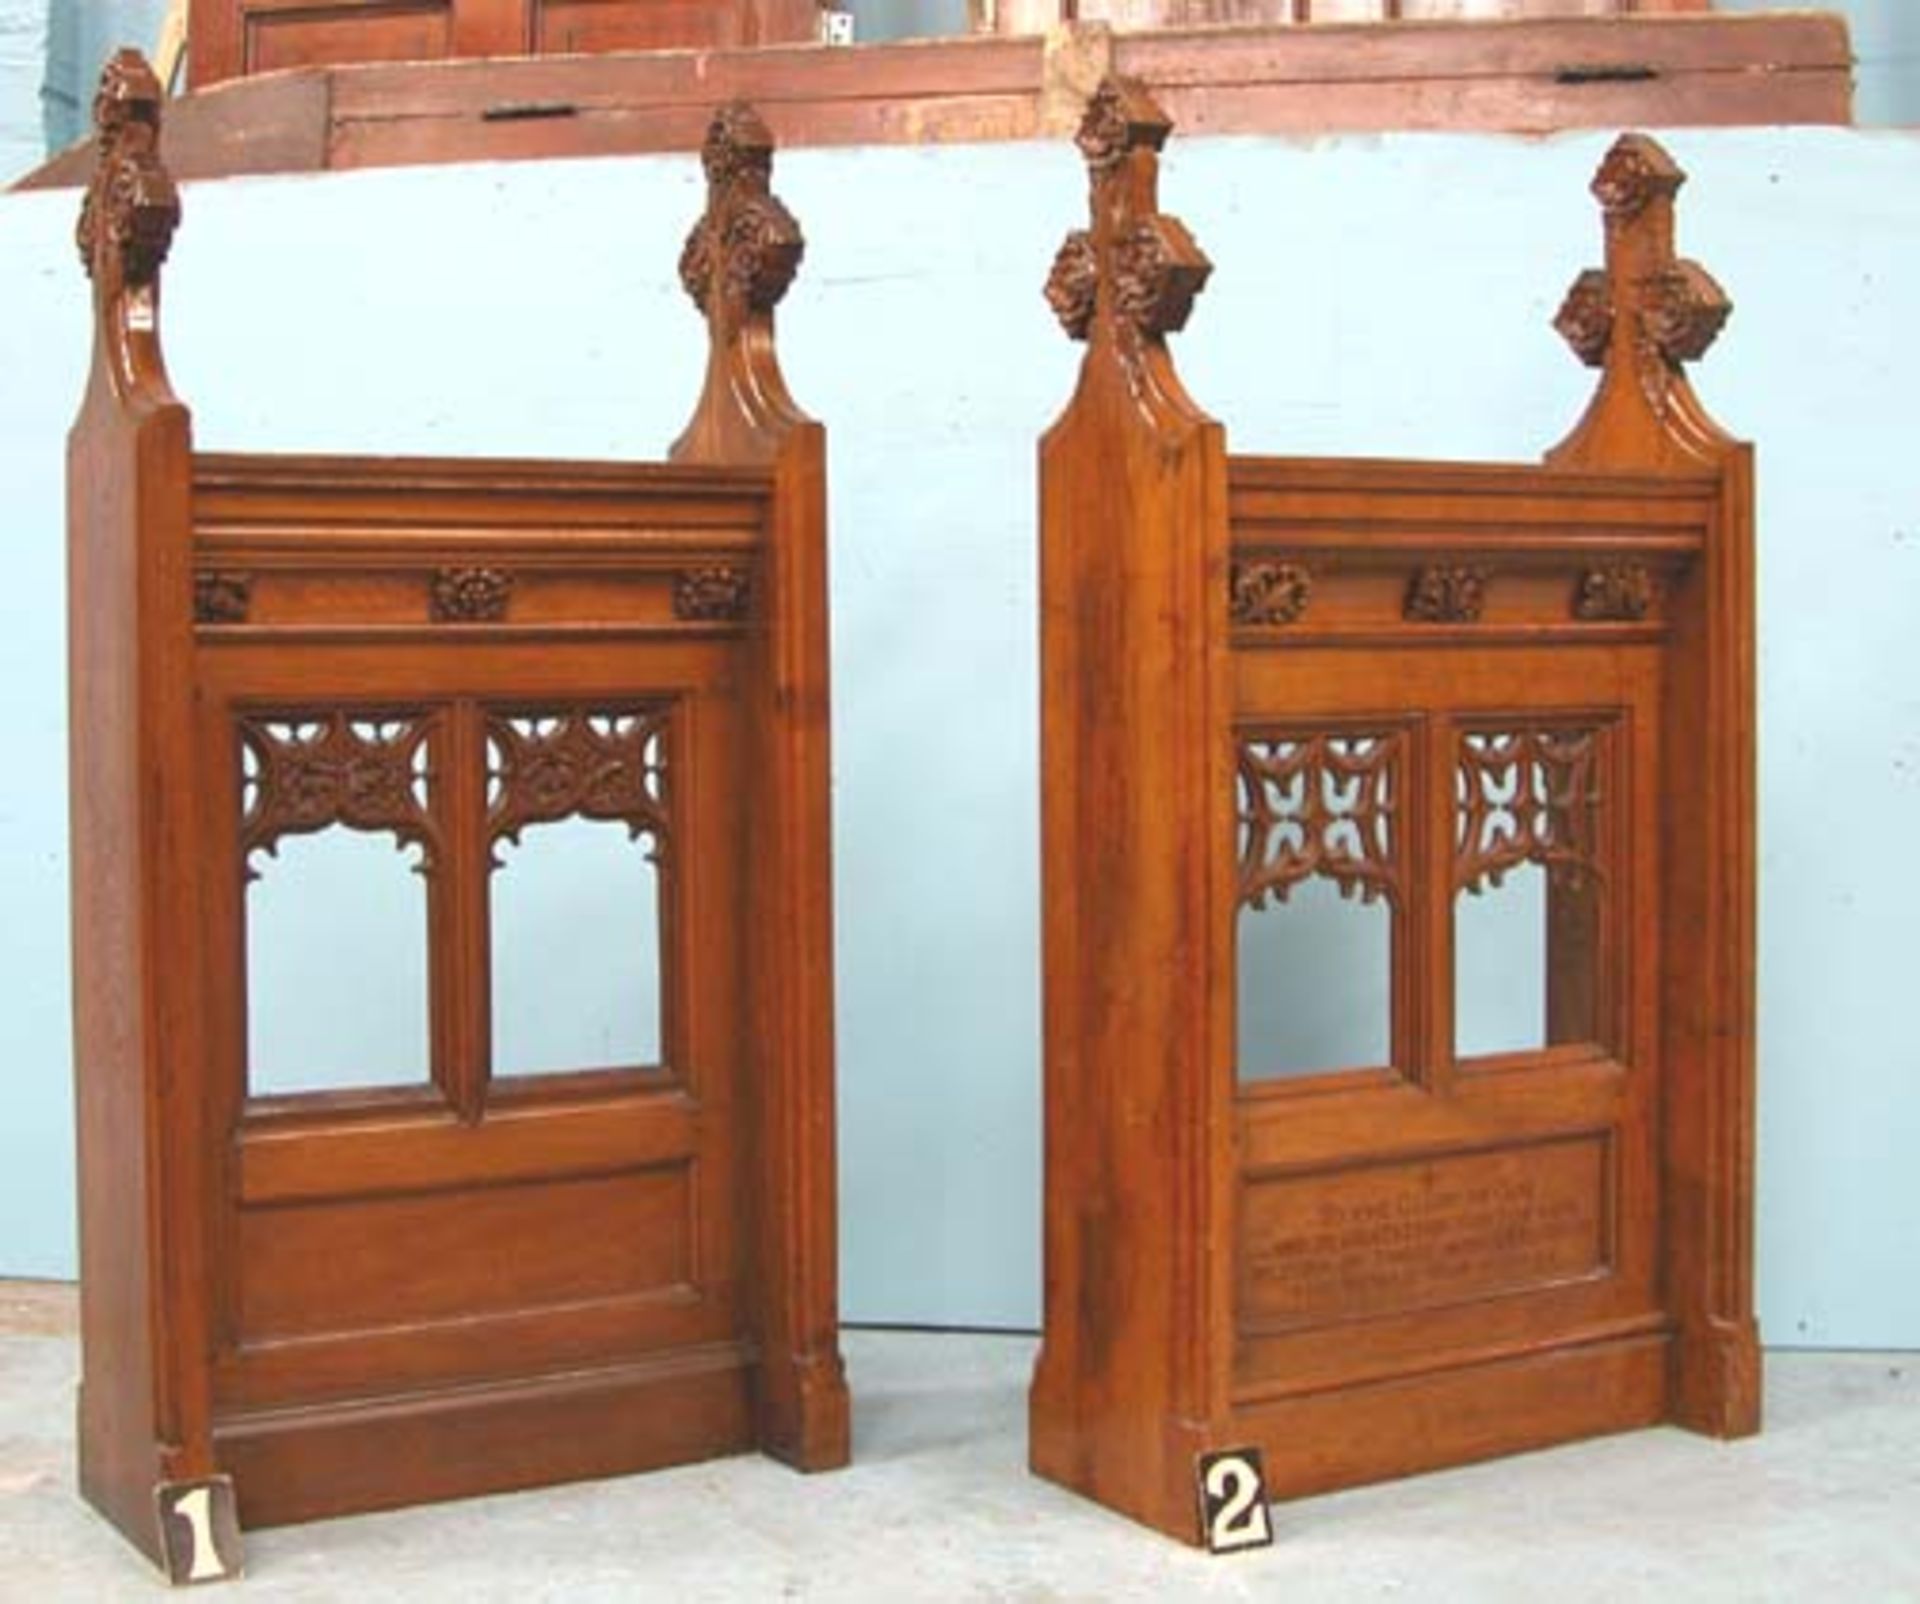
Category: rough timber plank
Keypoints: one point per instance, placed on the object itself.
(1508, 76)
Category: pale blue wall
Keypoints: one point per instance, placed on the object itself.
(1373, 295)
(81, 35)
(23, 51)
(877, 20)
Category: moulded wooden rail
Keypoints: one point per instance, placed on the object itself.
(302, 1305)
(1411, 680)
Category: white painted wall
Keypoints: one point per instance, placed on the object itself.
(1373, 295)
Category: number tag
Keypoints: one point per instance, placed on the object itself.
(1233, 1501)
(199, 1530)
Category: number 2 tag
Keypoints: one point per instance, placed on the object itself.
(1233, 1501)
(199, 1530)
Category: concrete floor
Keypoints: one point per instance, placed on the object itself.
(1825, 1506)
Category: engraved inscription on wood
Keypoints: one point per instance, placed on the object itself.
(1393, 1237)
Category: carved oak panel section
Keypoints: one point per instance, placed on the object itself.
(1536, 801)
(1398, 1237)
(356, 1288)
(291, 1254)
(1319, 812)
(650, 550)
(337, 931)
(366, 769)
(1434, 691)
(1530, 795)
(594, 763)
(591, 784)
(1320, 804)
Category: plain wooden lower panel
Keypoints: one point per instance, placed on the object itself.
(1351, 1435)
(341, 1459)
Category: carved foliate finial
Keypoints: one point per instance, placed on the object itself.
(738, 263)
(1136, 262)
(1636, 172)
(1683, 311)
(132, 208)
(1648, 306)
(743, 253)
(1585, 319)
(1120, 117)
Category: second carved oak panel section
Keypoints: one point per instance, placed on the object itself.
(1398, 901)
(504, 1259)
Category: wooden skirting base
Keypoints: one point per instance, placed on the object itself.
(309, 1464)
(1352, 1436)
(1528, 77)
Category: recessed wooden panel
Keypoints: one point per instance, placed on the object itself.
(374, 1262)
(1392, 1237)
(321, 35)
(585, 27)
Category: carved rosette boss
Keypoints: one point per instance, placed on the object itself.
(1135, 273)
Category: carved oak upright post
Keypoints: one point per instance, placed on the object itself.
(738, 263)
(139, 1025)
(1640, 320)
(1137, 838)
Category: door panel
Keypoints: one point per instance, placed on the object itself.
(276, 37)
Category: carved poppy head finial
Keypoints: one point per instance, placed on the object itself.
(743, 254)
(1138, 262)
(1666, 310)
(131, 209)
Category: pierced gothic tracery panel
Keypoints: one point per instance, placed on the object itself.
(338, 918)
(582, 884)
(1320, 882)
(1320, 804)
(607, 764)
(305, 772)
(1531, 962)
(1528, 796)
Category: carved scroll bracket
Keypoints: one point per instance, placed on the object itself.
(1130, 279)
(738, 263)
(1641, 319)
(127, 222)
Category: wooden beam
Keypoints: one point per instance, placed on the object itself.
(1522, 76)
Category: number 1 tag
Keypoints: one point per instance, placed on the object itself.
(199, 1530)
(1233, 1501)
